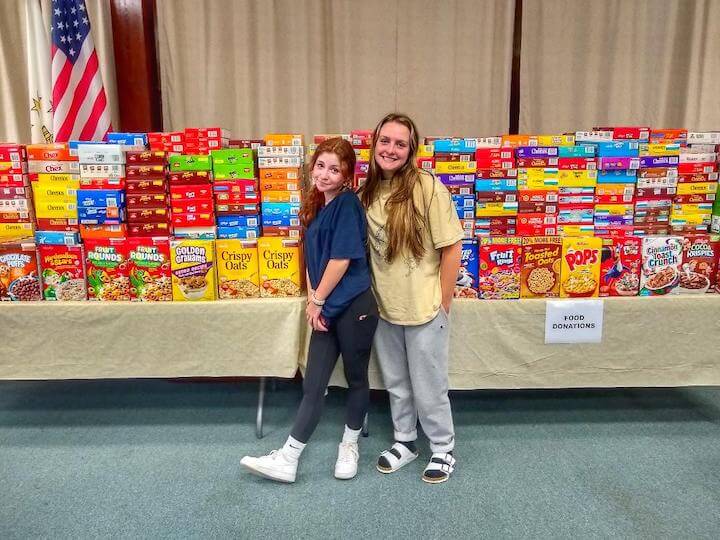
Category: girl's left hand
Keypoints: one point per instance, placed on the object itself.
(314, 317)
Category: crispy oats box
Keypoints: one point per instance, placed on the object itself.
(192, 262)
(541, 263)
(282, 272)
(237, 268)
(580, 273)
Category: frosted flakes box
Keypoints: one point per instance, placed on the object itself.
(237, 268)
(281, 267)
(698, 273)
(192, 262)
(106, 261)
(63, 272)
(620, 264)
(661, 262)
(541, 263)
(467, 279)
(499, 268)
(19, 279)
(580, 274)
(150, 275)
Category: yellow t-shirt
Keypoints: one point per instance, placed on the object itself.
(408, 290)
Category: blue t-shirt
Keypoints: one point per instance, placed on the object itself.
(339, 231)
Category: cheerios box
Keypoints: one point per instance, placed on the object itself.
(282, 270)
(580, 273)
(237, 269)
(150, 276)
(192, 262)
(540, 271)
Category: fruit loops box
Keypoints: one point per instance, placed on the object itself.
(107, 269)
(620, 264)
(499, 268)
(19, 280)
(580, 274)
(237, 268)
(661, 262)
(698, 273)
(541, 263)
(467, 279)
(193, 269)
(63, 272)
(150, 276)
(281, 268)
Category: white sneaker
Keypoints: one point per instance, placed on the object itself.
(346, 465)
(275, 466)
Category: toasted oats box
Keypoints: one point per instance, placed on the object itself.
(580, 273)
(238, 269)
(193, 269)
(541, 264)
(282, 270)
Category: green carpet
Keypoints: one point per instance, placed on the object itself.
(159, 459)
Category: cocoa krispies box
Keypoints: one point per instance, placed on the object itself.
(699, 269)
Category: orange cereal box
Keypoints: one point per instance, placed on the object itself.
(192, 262)
(500, 263)
(540, 271)
(580, 274)
(281, 267)
(237, 268)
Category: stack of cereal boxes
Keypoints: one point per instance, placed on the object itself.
(496, 188)
(236, 194)
(191, 196)
(361, 141)
(701, 187)
(280, 164)
(16, 205)
(101, 197)
(697, 184)
(56, 179)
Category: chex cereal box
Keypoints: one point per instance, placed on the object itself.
(238, 269)
(281, 266)
(541, 264)
(499, 268)
(106, 261)
(661, 262)
(193, 269)
(467, 280)
(63, 272)
(620, 264)
(580, 274)
(150, 275)
(698, 273)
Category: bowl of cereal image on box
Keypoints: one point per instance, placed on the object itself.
(580, 284)
(693, 283)
(193, 287)
(25, 289)
(663, 281)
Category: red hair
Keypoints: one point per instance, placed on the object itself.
(314, 200)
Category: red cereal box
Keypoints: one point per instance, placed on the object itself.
(145, 157)
(63, 272)
(19, 279)
(698, 272)
(108, 275)
(499, 268)
(620, 265)
(150, 275)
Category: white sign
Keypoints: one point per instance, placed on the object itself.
(573, 321)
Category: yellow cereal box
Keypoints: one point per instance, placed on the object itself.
(455, 167)
(237, 269)
(692, 188)
(580, 273)
(552, 140)
(282, 271)
(582, 178)
(425, 150)
(193, 269)
(283, 139)
(16, 230)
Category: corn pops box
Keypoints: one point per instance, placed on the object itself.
(150, 275)
(580, 274)
(238, 269)
(192, 263)
(541, 265)
(107, 269)
(499, 268)
(281, 266)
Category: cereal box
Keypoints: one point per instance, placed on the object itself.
(107, 269)
(281, 267)
(580, 274)
(698, 273)
(467, 280)
(541, 263)
(193, 269)
(150, 276)
(63, 272)
(19, 280)
(661, 261)
(620, 263)
(237, 268)
(499, 268)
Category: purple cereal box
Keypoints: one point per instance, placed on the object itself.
(618, 163)
(456, 178)
(659, 161)
(536, 151)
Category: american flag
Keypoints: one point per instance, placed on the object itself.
(80, 106)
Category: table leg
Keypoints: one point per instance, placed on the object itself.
(261, 403)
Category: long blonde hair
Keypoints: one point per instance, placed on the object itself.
(404, 222)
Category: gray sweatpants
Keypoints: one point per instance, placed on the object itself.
(414, 365)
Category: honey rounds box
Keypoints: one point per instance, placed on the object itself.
(580, 274)
(540, 272)
(193, 269)
(281, 267)
(237, 269)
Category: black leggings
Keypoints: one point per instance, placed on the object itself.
(351, 335)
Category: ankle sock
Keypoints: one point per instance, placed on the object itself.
(351, 435)
(293, 448)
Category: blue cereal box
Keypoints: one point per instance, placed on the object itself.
(454, 145)
(241, 233)
(102, 198)
(238, 221)
(496, 184)
(578, 151)
(467, 281)
(616, 177)
(276, 210)
(618, 149)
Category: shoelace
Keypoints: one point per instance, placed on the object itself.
(348, 453)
